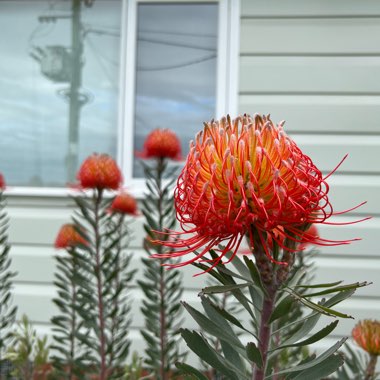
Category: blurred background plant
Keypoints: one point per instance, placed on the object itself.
(362, 365)
(71, 353)
(162, 289)
(7, 309)
(28, 353)
(94, 279)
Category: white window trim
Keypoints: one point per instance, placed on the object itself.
(226, 87)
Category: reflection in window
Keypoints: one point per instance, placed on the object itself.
(176, 69)
(58, 87)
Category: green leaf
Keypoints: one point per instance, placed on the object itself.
(308, 323)
(327, 285)
(314, 362)
(212, 328)
(199, 345)
(228, 316)
(254, 354)
(327, 367)
(187, 369)
(315, 337)
(282, 308)
(317, 307)
(339, 289)
(238, 264)
(254, 272)
(223, 288)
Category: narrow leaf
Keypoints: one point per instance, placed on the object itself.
(254, 354)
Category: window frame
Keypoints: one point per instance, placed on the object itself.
(226, 87)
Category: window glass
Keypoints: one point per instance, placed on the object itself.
(175, 69)
(59, 74)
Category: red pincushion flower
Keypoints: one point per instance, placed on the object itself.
(309, 236)
(124, 203)
(68, 237)
(247, 178)
(99, 171)
(367, 335)
(161, 143)
(2, 182)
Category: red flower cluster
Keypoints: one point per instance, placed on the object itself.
(246, 177)
(161, 143)
(367, 335)
(68, 237)
(2, 182)
(124, 203)
(99, 171)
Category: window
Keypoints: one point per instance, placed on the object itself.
(97, 76)
(59, 79)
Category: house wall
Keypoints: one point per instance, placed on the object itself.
(314, 64)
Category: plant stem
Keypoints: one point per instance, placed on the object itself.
(163, 332)
(73, 315)
(117, 280)
(98, 274)
(268, 274)
(370, 371)
(265, 331)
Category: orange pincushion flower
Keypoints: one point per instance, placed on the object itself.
(2, 182)
(367, 335)
(246, 178)
(99, 171)
(68, 237)
(161, 143)
(124, 203)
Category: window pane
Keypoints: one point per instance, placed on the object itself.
(176, 69)
(59, 74)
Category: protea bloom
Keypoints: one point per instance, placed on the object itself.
(124, 203)
(161, 143)
(247, 178)
(99, 171)
(2, 182)
(68, 237)
(366, 334)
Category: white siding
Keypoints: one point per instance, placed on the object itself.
(316, 64)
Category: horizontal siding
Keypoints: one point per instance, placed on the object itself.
(302, 8)
(314, 64)
(328, 150)
(38, 269)
(315, 114)
(304, 36)
(309, 75)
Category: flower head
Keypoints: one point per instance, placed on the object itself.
(124, 203)
(68, 237)
(99, 171)
(161, 143)
(2, 182)
(246, 177)
(366, 334)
